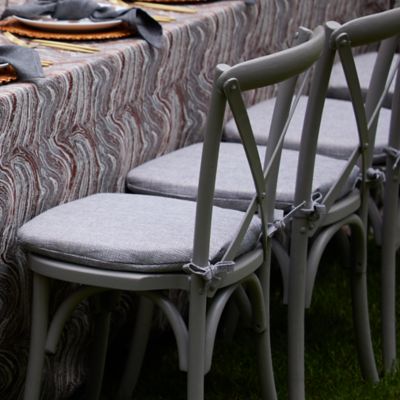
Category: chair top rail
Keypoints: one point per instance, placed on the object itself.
(276, 67)
(369, 29)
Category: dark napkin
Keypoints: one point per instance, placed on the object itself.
(25, 61)
(138, 20)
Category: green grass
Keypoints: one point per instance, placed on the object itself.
(331, 363)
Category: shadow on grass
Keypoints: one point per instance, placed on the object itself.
(332, 371)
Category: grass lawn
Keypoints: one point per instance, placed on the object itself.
(331, 363)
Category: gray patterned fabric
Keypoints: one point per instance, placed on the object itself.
(364, 64)
(125, 232)
(176, 175)
(338, 135)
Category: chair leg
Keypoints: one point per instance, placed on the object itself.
(230, 321)
(99, 345)
(197, 332)
(296, 310)
(388, 278)
(40, 304)
(268, 390)
(360, 306)
(259, 295)
(137, 349)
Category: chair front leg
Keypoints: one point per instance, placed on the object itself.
(39, 326)
(197, 333)
(296, 309)
(388, 272)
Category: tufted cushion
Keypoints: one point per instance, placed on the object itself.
(127, 232)
(364, 64)
(338, 134)
(176, 175)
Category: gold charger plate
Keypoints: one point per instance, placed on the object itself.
(175, 1)
(18, 28)
(7, 74)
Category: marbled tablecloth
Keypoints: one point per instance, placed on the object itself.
(93, 117)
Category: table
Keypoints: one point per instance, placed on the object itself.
(79, 130)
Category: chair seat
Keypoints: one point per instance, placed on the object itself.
(130, 233)
(338, 135)
(176, 175)
(364, 64)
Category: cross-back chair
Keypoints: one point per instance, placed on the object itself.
(384, 215)
(390, 237)
(149, 245)
(320, 193)
(310, 222)
(338, 136)
(328, 193)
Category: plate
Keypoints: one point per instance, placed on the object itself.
(81, 25)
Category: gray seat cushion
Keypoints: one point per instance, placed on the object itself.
(364, 64)
(338, 135)
(127, 232)
(176, 175)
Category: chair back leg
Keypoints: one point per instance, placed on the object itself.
(137, 349)
(104, 304)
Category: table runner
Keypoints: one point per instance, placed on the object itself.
(92, 118)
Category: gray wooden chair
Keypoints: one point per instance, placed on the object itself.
(324, 208)
(320, 193)
(149, 245)
(390, 238)
(338, 136)
(176, 175)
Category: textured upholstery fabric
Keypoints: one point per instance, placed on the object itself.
(125, 232)
(364, 64)
(176, 175)
(338, 135)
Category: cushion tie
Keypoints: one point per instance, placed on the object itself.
(211, 272)
(280, 224)
(395, 154)
(376, 176)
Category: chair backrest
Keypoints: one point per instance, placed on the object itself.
(382, 27)
(229, 84)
